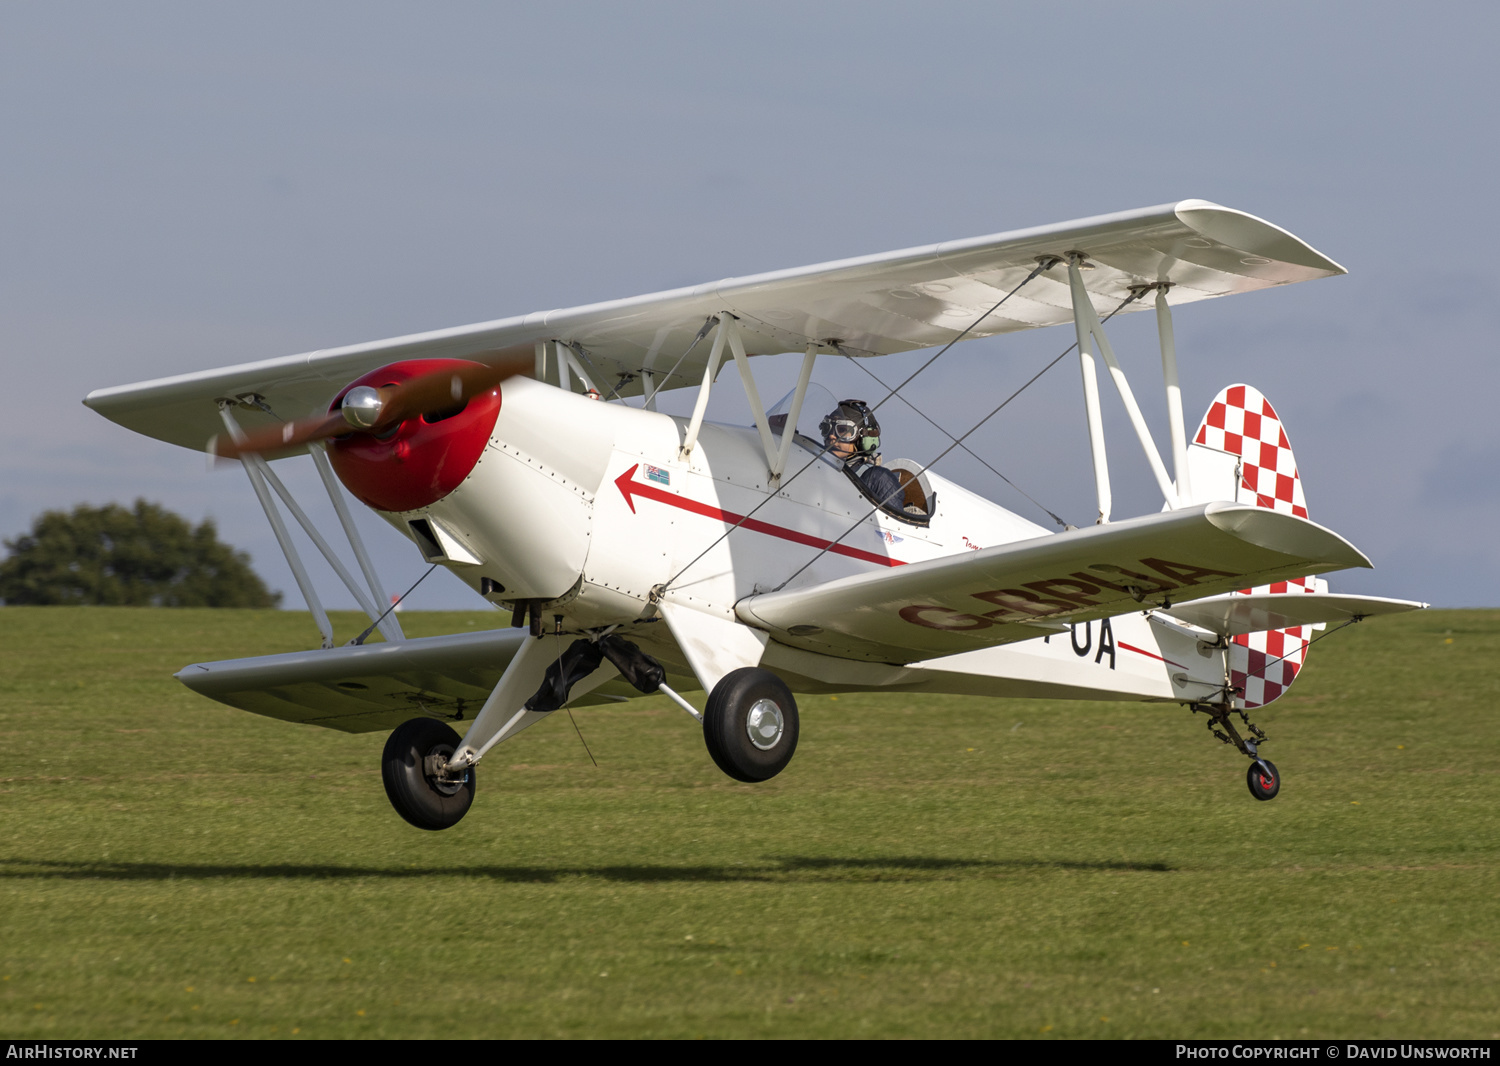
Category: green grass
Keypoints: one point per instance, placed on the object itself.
(925, 867)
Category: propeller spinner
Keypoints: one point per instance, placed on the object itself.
(361, 407)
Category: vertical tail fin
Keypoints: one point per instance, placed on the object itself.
(1241, 454)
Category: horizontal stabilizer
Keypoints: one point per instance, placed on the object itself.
(1235, 614)
(999, 595)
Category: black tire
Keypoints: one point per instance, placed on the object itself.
(1263, 787)
(424, 801)
(727, 724)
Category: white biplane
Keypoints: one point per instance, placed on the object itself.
(676, 554)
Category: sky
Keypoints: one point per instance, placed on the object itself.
(185, 186)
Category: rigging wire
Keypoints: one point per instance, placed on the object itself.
(1043, 265)
(568, 706)
(580, 736)
(965, 447)
(743, 519)
(1310, 643)
(394, 604)
(583, 353)
(708, 324)
(958, 442)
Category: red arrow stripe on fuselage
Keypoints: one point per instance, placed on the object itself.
(629, 488)
(1149, 655)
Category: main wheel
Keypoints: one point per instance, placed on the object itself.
(750, 724)
(1263, 785)
(424, 800)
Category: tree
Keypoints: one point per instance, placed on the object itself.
(143, 557)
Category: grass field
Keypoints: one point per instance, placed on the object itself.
(925, 867)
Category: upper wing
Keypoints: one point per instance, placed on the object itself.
(1234, 615)
(875, 305)
(1019, 591)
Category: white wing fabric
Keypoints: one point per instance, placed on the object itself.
(1021, 590)
(872, 305)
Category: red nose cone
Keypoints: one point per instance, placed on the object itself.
(425, 458)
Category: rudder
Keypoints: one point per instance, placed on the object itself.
(1241, 454)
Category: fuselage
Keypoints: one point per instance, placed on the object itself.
(592, 511)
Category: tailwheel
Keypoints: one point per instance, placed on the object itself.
(1264, 779)
(412, 767)
(750, 724)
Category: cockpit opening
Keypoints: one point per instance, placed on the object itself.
(845, 435)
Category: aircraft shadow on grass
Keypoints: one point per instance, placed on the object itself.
(787, 868)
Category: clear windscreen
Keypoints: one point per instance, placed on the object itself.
(818, 402)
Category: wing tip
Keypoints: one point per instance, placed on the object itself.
(1250, 233)
(1287, 533)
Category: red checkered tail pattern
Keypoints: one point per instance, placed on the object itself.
(1241, 454)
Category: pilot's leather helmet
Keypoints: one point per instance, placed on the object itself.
(852, 422)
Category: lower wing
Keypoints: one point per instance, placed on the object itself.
(374, 687)
(1018, 591)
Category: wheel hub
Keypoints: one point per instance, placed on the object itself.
(765, 724)
(435, 766)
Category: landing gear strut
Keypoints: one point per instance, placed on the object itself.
(1263, 777)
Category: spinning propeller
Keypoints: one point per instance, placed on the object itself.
(377, 411)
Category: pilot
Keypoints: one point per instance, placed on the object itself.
(851, 434)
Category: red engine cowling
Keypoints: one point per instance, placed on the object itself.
(424, 458)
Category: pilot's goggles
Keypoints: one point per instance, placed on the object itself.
(844, 430)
